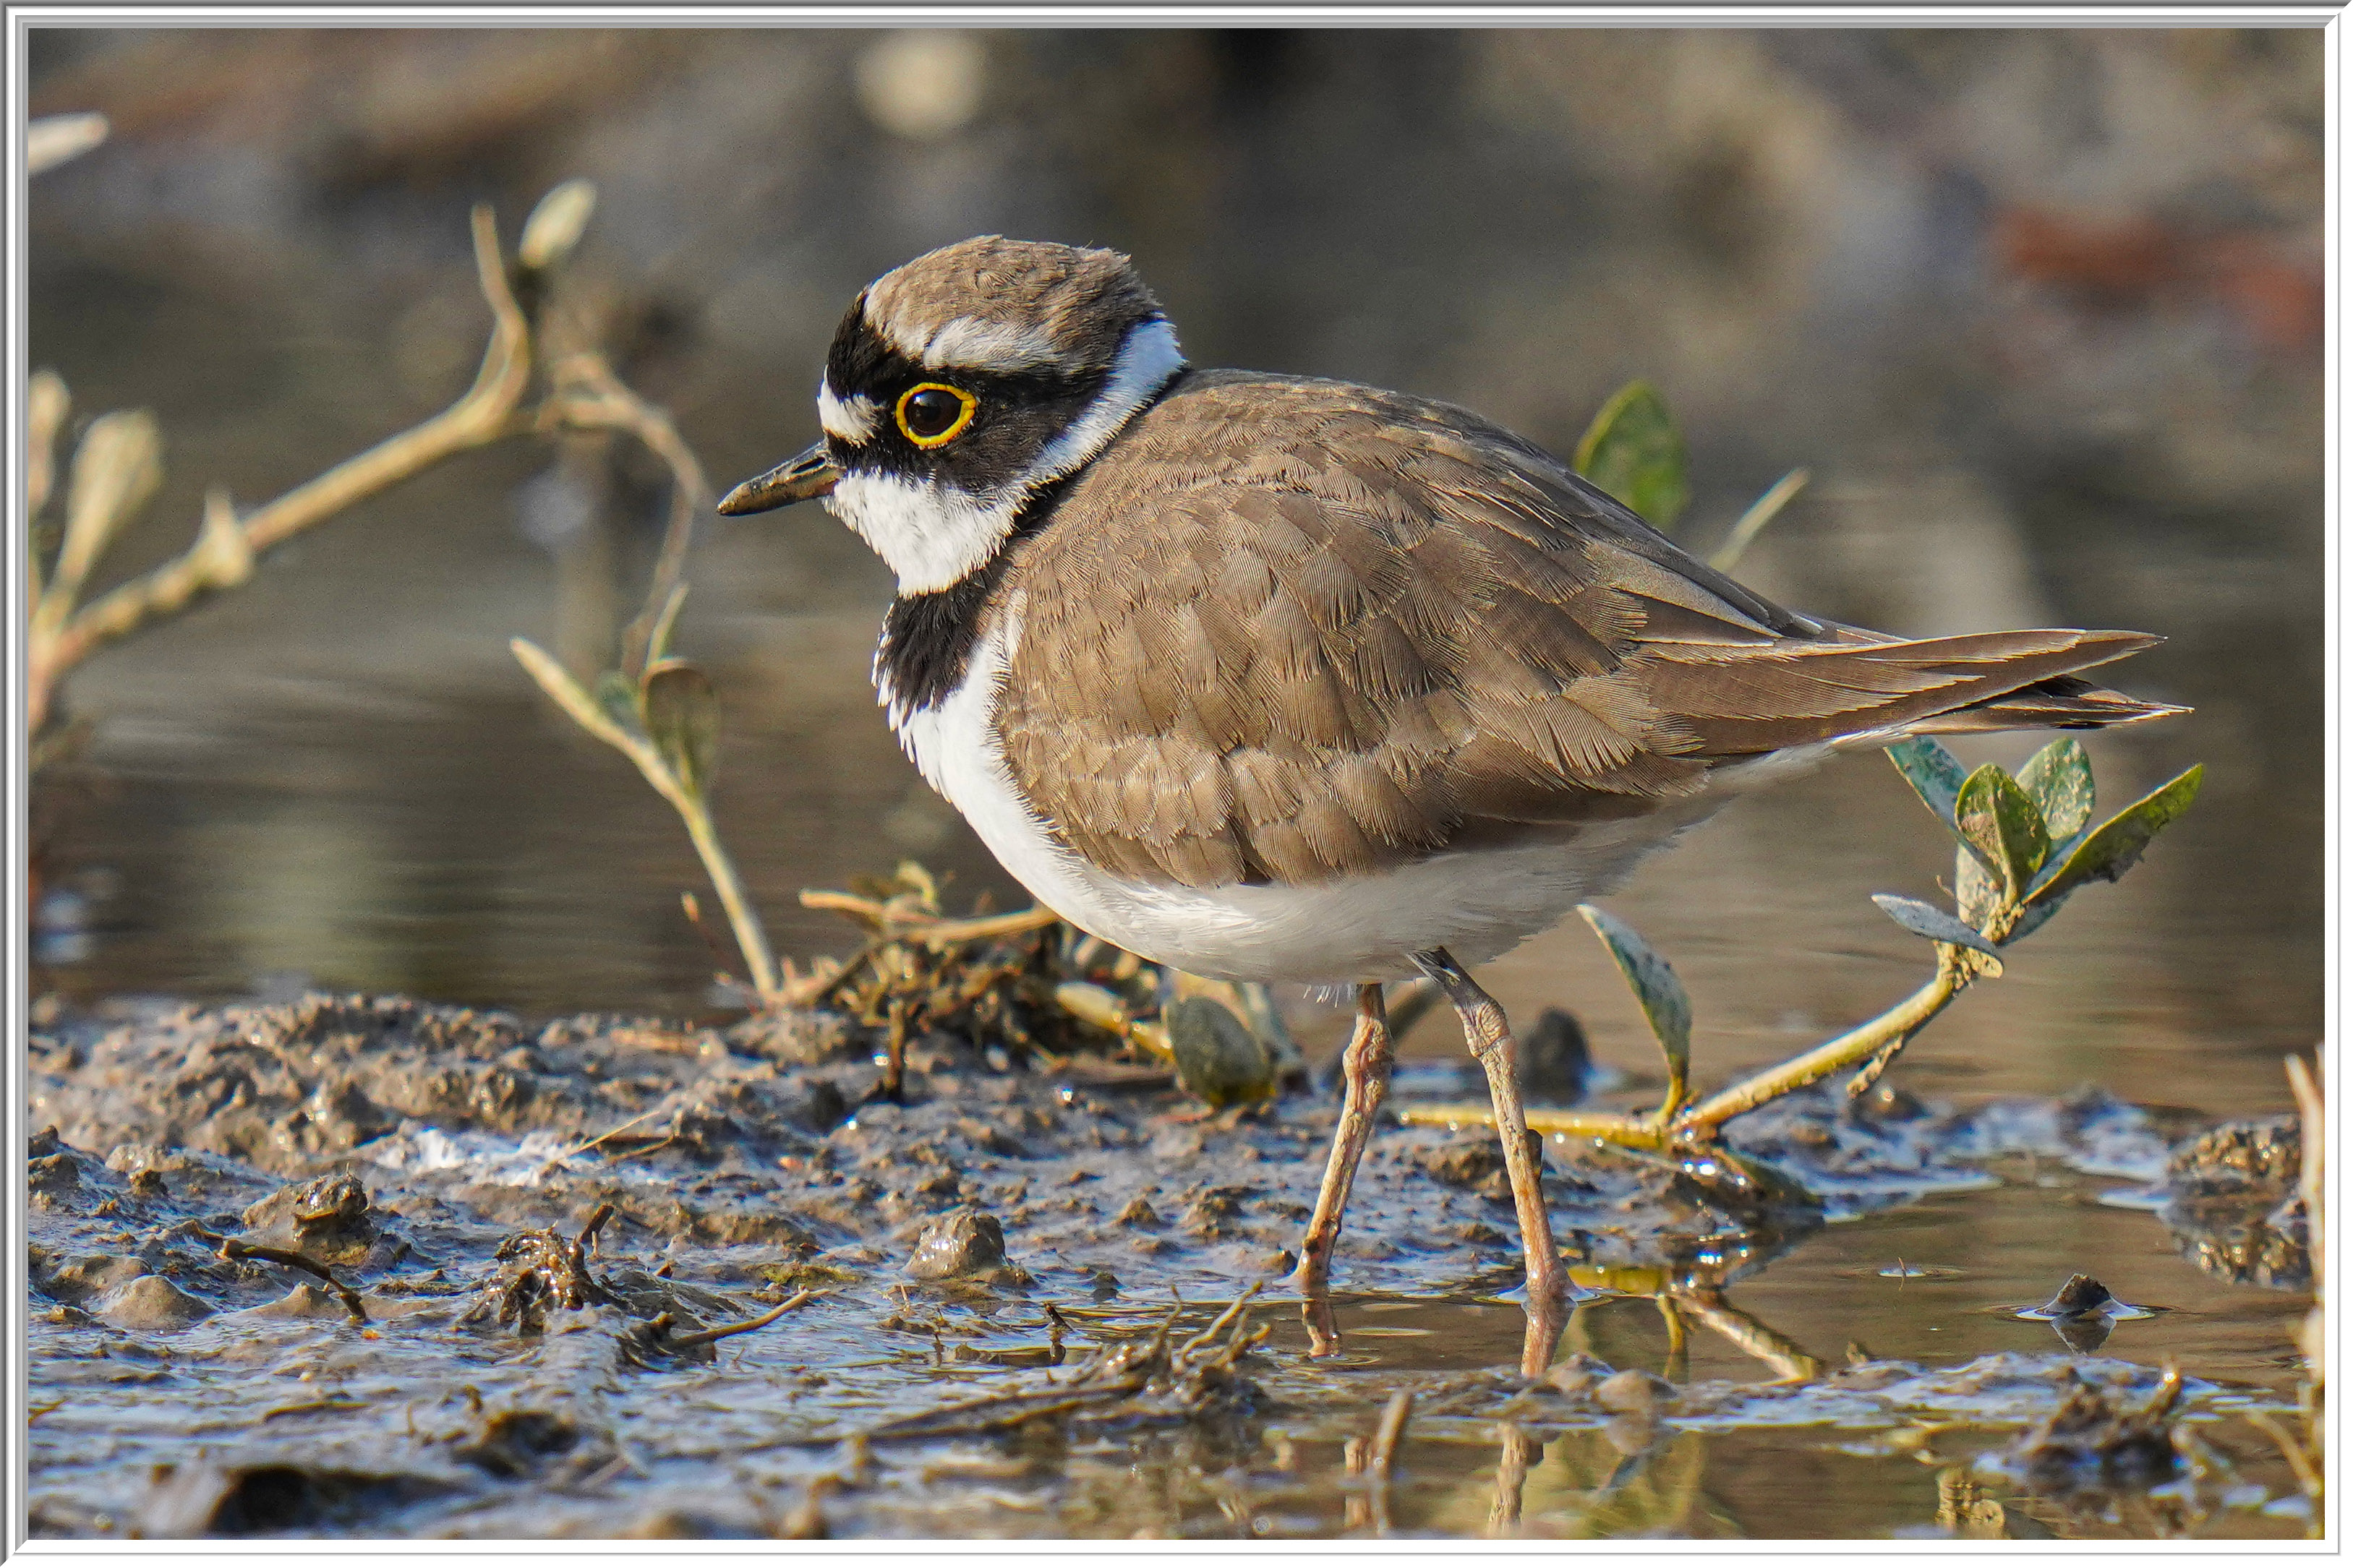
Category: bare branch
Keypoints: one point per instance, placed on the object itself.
(589, 396)
(484, 414)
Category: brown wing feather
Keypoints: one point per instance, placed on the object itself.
(1289, 637)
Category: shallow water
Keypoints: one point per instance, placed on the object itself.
(219, 1403)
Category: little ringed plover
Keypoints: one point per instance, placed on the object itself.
(1276, 679)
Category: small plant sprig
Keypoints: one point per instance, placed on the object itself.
(1634, 450)
(665, 719)
(2025, 845)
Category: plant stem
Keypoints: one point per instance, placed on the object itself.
(1629, 1132)
(1894, 1026)
(741, 917)
(1885, 1034)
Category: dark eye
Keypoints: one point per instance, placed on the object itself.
(933, 414)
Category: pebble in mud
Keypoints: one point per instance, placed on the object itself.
(1632, 1392)
(1476, 1163)
(153, 1302)
(1578, 1373)
(304, 1301)
(967, 1242)
(329, 1220)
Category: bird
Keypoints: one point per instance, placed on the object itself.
(1278, 679)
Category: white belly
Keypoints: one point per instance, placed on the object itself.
(1478, 904)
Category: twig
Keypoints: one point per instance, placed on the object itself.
(1000, 1411)
(1789, 1360)
(315, 1407)
(813, 988)
(707, 1336)
(603, 1214)
(1891, 1028)
(585, 712)
(235, 1250)
(1881, 1037)
(55, 139)
(616, 1155)
(485, 413)
(1389, 1436)
(1761, 511)
(589, 396)
(1223, 1319)
(929, 930)
(598, 1216)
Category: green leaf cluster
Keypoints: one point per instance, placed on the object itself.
(2025, 843)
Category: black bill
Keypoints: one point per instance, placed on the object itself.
(806, 478)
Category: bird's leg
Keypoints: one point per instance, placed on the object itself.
(1510, 1479)
(1365, 1083)
(1489, 1036)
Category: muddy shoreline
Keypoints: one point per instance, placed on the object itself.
(997, 1293)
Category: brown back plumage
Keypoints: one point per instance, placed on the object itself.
(1288, 630)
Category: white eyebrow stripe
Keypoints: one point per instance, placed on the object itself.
(853, 419)
(970, 344)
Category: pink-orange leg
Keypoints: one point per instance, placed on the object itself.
(1365, 1083)
(1489, 1035)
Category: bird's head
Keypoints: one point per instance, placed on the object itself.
(960, 385)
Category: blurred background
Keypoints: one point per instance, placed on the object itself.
(2041, 309)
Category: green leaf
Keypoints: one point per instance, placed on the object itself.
(2109, 853)
(2031, 918)
(1977, 892)
(1926, 919)
(1634, 451)
(2058, 778)
(1217, 1059)
(2001, 825)
(682, 721)
(1934, 774)
(1665, 1006)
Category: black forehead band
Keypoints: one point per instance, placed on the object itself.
(861, 361)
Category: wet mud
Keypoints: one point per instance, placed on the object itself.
(370, 1267)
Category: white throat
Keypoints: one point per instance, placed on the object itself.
(934, 535)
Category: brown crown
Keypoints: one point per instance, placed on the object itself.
(997, 303)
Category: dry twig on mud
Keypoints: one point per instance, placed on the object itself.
(238, 1251)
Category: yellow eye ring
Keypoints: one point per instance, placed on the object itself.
(966, 407)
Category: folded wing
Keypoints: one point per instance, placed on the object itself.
(1321, 634)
